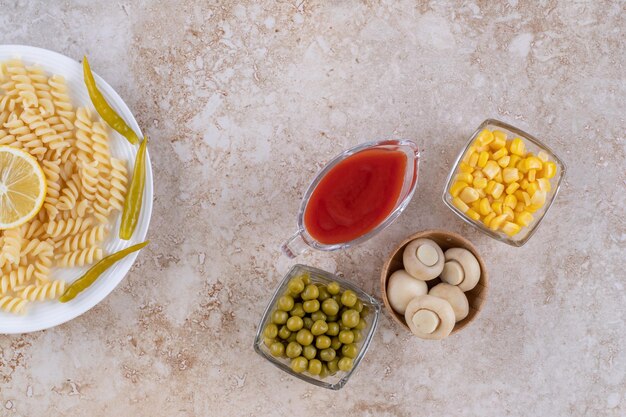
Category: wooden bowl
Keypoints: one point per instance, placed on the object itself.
(445, 240)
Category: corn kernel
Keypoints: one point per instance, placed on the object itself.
(531, 174)
(483, 158)
(510, 201)
(475, 205)
(497, 222)
(489, 187)
(531, 208)
(526, 198)
(549, 170)
(514, 161)
(519, 194)
(524, 218)
(524, 184)
(480, 183)
(497, 155)
(491, 169)
(464, 167)
(472, 214)
(544, 184)
(532, 187)
(522, 166)
(510, 215)
(497, 191)
(481, 192)
(538, 198)
(456, 188)
(478, 174)
(510, 228)
(497, 207)
(464, 177)
(485, 137)
(543, 156)
(510, 175)
(498, 177)
(504, 161)
(519, 207)
(533, 162)
(517, 147)
(470, 151)
(458, 203)
(473, 160)
(484, 207)
(468, 195)
(499, 140)
(488, 218)
(512, 188)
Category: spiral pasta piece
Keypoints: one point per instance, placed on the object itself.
(41, 292)
(12, 304)
(16, 277)
(52, 169)
(12, 245)
(86, 239)
(80, 257)
(62, 228)
(119, 181)
(89, 179)
(43, 264)
(70, 193)
(61, 97)
(100, 147)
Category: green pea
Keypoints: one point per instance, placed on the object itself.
(333, 329)
(324, 294)
(293, 350)
(348, 298)
(350, 318)
(319, 327)
(335, 343)
(271, 331)
(295, 323)
(304, 337)
(297, 310)
(337, 298)
(277, 349)
(362, 324)
(315, 367)
(358, 336)
(311, 292)
(295, 285)
(324, 371)
(280, 317)
(284, 332)
(306, 278)
(311, 306)
(285, 303)
(308, 322)
(346, 336)
(309, 352)
(322, 342)
(358, 306)
(344, 364)
(268, 341)
(327, 355)
(332, 366)
(349, 350)
(330, 307)
(318, 315)
(333, 288)
(299, 364)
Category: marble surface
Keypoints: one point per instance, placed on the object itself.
(244, 101)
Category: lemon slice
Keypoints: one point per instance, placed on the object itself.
(22, 187)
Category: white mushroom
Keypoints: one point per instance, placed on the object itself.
(453, 295)
(401, 288)
(423, 259)
(429, 317)
(461, 268)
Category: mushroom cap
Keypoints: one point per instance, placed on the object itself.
(401, 288)
(420, 323)
(470, 265)
(453, 295)
(423, 259)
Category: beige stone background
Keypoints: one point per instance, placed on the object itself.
(244, 101)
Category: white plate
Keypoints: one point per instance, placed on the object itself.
(43, 315)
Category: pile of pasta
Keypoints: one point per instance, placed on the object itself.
(86, 186)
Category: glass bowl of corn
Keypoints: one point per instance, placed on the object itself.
(503, 182)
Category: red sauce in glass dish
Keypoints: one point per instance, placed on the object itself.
(355, 196)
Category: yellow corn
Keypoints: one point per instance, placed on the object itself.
(544, 184)
(526, 198)
(549, 170)
(504, 161)
(510, 175)
(473, 160)
(533, 162)
(515, 159)
(512, 188)
(522, 166)
(464, 167)
(497, 191)
(510, 215)
(510, 201)
(488, 218)
(470, 151)
(478, 174)
(464, 177)
(472, 214)
(538, 199)
(497, 207)
(484, 207)
(485, 137)
(520, 207)
(497, 155)
(499, 140)
(475, 205)
(510, 228)
(531, 174)
(490, 185)
(481, 192)
(524, 218)
(483, 158)
(543, 156)
(519, 194)
(456, 188)
(497, 222)
(517, 147)
(524, 184)
(491, 169)
(458, 203)
(480, 183)
(532, 187)
(468, 195)
(498, 177)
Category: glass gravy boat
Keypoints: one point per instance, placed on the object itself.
(302, 240)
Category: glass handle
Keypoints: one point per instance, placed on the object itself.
(295, 245)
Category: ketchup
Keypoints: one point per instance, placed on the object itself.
(355, 196)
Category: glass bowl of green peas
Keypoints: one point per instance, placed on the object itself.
(317, 327)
